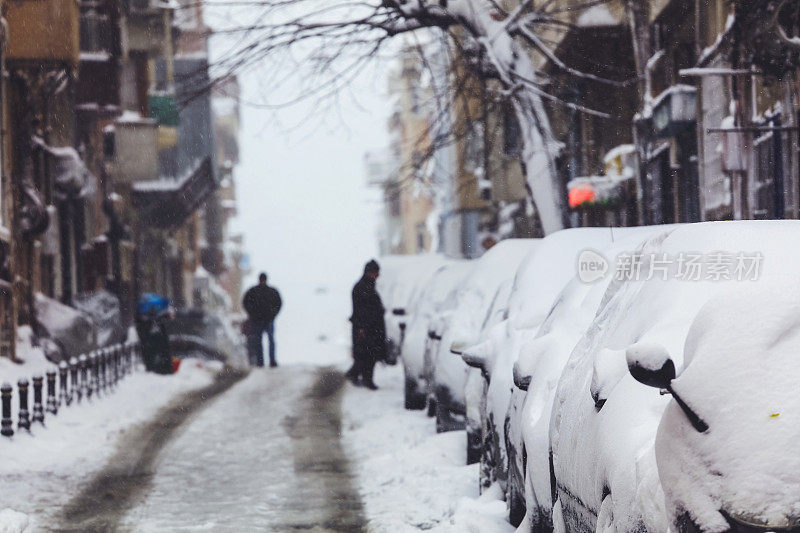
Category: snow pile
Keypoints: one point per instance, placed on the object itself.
(597, 15)
(43, 470)
(32, 357)
(742, 371)
(13, 521)
(72, 329)
(409, 477)
(104, 309)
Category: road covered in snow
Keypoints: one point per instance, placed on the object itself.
(296, 448)
(265, 456)
(292, 448)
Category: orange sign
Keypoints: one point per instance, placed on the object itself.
(581, 194)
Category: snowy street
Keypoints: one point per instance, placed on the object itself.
(265, 456)
(293, 448)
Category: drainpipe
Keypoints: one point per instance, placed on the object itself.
(637, 11)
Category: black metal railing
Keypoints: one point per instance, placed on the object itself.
(82, 379)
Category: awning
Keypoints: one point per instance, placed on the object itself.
(167, 202)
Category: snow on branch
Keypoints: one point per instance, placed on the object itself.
(331, 43)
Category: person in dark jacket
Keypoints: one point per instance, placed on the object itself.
(262, 304)
(369, 328)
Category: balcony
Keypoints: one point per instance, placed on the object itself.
(43, 30)
(674, 110)
(146, 20)
(100, 45)
(99, 29)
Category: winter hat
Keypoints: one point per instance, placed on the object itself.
(372, 266)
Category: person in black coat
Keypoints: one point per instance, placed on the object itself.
(369, 328)
(262, 304)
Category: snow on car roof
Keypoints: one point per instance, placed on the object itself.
(544, 272)
(401, 276)
(499, 263)
(476, 295)
(443, 283)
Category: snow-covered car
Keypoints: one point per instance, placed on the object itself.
(466, 325)
(477, 380)
(720, 300)
(399, 282)
(538, 281)
(440, 288)
(536, 373)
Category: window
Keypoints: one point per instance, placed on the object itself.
(512, 133)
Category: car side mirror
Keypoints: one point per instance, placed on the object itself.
(399, 311)
(457, 348)
(521, 380)
(474, 356)
(650, 364)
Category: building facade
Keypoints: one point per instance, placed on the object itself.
(109, 158)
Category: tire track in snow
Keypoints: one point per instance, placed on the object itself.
(319, 458)
(106, 498)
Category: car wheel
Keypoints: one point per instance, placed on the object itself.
(474, 442)
(431, 406)
(413, 399)
(447, 420)
(442, 416)
(487, 463)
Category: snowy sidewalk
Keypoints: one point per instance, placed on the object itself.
(41, 472)
(410, 478)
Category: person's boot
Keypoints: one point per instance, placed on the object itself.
(273, 364)
(368, 373)
(352, 375)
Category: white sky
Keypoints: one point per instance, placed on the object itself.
(308, 217)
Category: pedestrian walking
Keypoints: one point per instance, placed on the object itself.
(262, 303)
(369, 328)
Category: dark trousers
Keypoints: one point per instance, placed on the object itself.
(363, 368)
(365, 355)
(255, 342)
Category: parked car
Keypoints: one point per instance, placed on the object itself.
(398, 284)
(467, 324)
(438, 290)
(536, 373)
(712, 454)
(538, 281)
